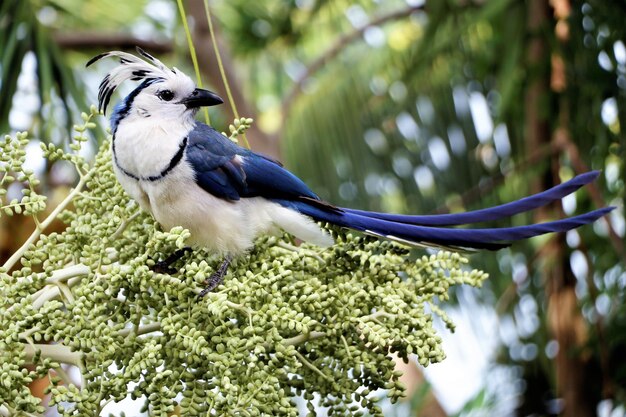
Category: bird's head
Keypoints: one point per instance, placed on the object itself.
(163, 93)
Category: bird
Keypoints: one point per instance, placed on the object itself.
(185, 173)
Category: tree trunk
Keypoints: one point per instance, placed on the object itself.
(564, 317)
(413, 378)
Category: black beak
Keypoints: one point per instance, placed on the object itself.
(200, 98)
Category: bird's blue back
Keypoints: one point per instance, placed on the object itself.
(229, 171)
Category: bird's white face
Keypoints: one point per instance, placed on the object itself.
(166, 99)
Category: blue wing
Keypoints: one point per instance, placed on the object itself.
(231, 172)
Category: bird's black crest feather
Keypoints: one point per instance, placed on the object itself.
(136, 68)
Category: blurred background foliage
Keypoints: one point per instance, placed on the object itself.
(404, 106)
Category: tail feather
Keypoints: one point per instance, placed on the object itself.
(427, 230)
(489, 238)
(489, 214)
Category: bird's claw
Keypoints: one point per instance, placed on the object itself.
(216, 278)
(162, 267)
(211, 283)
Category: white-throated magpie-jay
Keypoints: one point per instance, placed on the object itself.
(187, 174)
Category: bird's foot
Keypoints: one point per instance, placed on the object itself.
(211, 283)
(163, 267)
(216, 278)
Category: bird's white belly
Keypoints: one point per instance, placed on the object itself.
(219, 225)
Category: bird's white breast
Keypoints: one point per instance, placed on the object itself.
(145, 148)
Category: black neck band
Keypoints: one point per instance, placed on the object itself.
(173, 162)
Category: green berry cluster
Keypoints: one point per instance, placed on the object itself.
(12, 159)
(238, 128)
(288, 320)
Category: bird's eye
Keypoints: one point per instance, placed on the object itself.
(165, 95)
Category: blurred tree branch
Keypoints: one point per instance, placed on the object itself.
(94, 40)
(339, 46)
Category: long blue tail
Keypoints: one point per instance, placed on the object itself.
(427, 230)
(492, 213)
